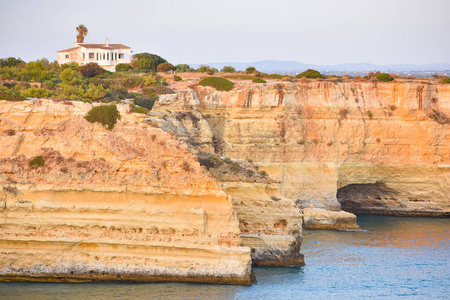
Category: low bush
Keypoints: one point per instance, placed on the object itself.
(36, 92)
(165, 67)
(271, 76)
(10, 95)
(218, 83)
(138, 109)
(228, 69)
(202, 69)
(177, 78)
(385, 77)
(240, 77)
(91, 70)
(250, 70)
(259, 80)
(146, 102)
(162, 90)
(123, 67)
(446, 80)
(36, 162)
(311, 74)
(104, 114)
(184, 68)
(210, 161)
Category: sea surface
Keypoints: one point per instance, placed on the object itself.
(393, 257)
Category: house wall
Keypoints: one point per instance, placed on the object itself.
(73, 57)
(105, 58)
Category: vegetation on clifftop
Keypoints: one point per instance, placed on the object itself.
(219, 83)
(385, 77)
(311, 74)
(37, 161)
(104, 114)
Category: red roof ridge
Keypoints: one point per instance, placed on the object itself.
(68, 50)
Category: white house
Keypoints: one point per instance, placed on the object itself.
(106, 55)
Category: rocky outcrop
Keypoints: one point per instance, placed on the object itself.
(127, 204)
(319, 218)
(318, 137)
(270, 224)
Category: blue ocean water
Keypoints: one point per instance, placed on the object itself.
(393, 257)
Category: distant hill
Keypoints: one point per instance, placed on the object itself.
(280, 66)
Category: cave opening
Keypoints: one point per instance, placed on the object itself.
(366, 198)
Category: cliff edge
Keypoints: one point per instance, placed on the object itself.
(79, 202)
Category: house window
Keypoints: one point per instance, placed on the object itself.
(91, 55)
(103, 56)
(67, 56)
(120, 55)
(84, 55)
(97, 56)
(115, 55)
(107, 56)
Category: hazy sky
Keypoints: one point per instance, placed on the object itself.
(202, 31)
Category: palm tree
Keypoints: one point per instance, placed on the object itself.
(82, 31)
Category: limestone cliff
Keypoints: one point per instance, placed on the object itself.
(127, 204)
(369, 147)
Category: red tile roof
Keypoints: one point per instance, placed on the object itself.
(68, 50)
(102, 46)
(97, 46)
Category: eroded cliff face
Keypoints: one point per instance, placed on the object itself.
(128, 204)
(325, 140)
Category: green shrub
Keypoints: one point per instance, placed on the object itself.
(271, 76)
(184, 68)
(36, 162)
(240, 77)
(228, 69)
(123, 67)
(140, 110)
(385, 77)
(162, 90)
(235, 168)
(218, 83)
(165, 67)
(10, 95)
(210, 161)
(132, 81)
(250, 70)
(104, 114)
(146, 61)
(210, 72)
(177, 78)
(10, 62)
(259, 80)
(146, 102)
(203, 69)
(91, 70)
(446, 80)
(36, 92)
(370, 114)
(310, 73)
(95, 92)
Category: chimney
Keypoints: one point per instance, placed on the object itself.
(106, 42)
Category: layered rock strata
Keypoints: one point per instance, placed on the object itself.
(270, 224)
(127, 204)
(318, 137)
